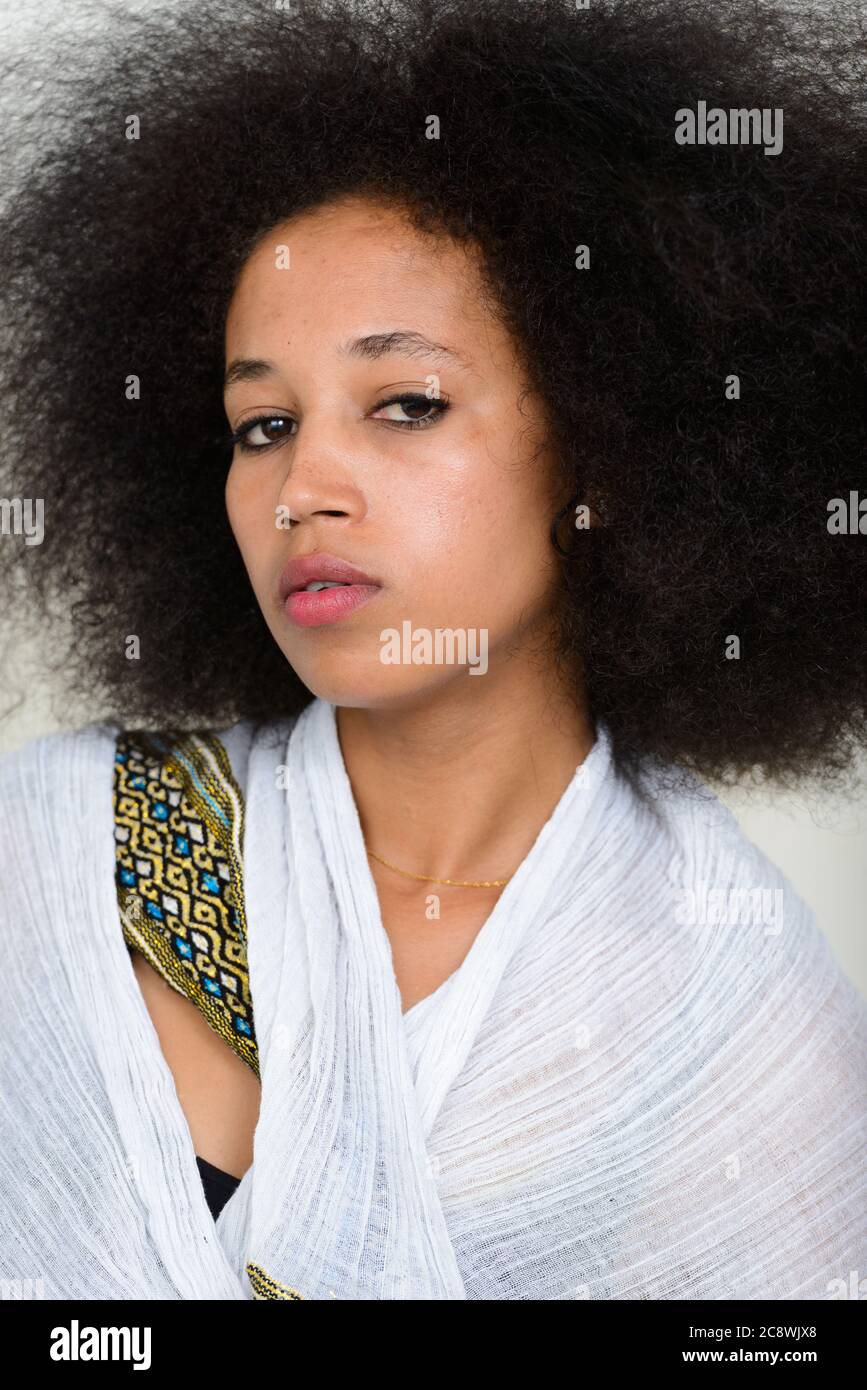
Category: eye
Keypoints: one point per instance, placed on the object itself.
(244, 436)
(265, 431)
(412, 401)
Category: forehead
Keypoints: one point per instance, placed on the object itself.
(355, 266)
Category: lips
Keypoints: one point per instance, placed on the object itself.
(320, 568)
(314, 608)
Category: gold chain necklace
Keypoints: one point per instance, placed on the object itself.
(452, 882)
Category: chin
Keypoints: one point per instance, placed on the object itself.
(370, 685)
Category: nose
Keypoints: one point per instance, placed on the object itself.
(320, 480)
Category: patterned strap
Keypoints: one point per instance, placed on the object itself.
(264, 1286)
(179, 834)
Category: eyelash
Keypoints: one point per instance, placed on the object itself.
(238, 437)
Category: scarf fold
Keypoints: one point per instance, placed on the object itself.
(647, 1079)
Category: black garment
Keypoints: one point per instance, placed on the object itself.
(218, 1185)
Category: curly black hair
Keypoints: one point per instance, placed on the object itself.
(557, 130)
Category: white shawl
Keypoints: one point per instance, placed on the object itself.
(631, 1089)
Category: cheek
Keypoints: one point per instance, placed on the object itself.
(234, 498)
(481, 543)
(250, 517)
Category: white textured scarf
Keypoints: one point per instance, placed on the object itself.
(633, 1087)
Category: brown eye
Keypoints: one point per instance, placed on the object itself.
(258, 434)
(421, 410)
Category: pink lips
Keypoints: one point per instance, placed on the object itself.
(323, 605)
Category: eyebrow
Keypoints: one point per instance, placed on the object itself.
(371, 347)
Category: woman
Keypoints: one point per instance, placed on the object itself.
(437, 456)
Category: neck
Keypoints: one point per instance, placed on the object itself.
(459, 784)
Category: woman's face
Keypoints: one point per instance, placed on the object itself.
(446, 511)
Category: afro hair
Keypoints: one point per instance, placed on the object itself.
(704, 371)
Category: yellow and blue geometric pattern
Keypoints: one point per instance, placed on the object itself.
(179, 835)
